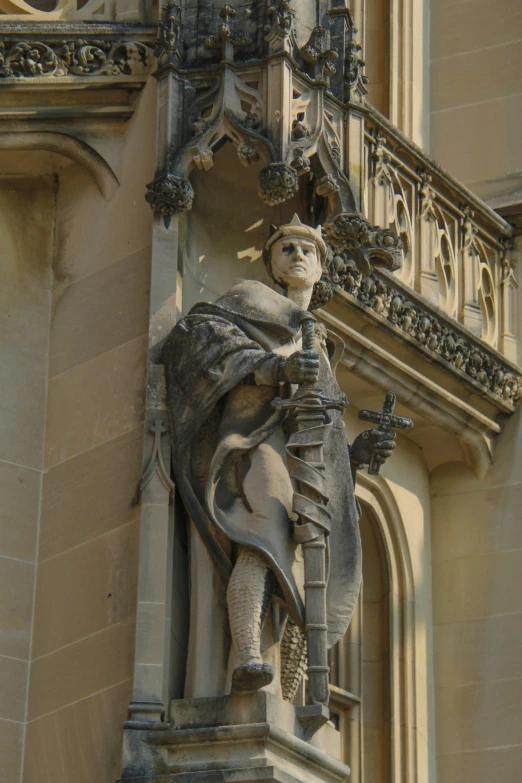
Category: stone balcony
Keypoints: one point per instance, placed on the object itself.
(455, 298)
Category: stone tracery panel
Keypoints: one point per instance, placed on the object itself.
(453, 253)
(391, 201)
(71, 10)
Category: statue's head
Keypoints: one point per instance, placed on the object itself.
(295, 255)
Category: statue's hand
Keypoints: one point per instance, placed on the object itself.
(372, 442)
(300, 367)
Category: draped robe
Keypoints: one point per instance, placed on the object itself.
(221, 382)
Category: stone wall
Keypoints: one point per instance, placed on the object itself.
(476, 93)
(74, 350)
(477, 582)
(476, 102)
(24, 327)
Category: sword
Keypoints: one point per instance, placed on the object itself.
(305, 463)
(386, 423)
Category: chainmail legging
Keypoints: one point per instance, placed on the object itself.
(293, 660)
(248, 596)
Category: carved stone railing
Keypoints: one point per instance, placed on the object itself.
(439, 337)
(73, 10)
(456, 249)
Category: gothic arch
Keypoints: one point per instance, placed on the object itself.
(69, 147)
(378, 502)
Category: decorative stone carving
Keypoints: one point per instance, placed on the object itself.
(438, 271)
(278, 183)
(352, 84)
(280, 23)
(426, 194)
(166, 46)
(225, 38)
(382, 160)
(247, 479)
(316, 54)
(354, 76)
(250, 108)
(247, 154)
(390, 200)
(451, 252)
(480, 299)
(429, 331)
(353, 242)
(168, 194)
(30, 59)
(74, 58)
(508, 263)
(368, 245)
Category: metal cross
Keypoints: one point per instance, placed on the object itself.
(386, 423)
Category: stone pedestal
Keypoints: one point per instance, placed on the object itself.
(232, 739)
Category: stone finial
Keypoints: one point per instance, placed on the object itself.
(226, 38)
(279, 30)
(169, 27)
(318, 56)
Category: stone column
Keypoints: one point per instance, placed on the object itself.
(151, 693)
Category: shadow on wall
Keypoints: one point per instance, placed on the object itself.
(227, 227)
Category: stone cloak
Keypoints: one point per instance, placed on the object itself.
(219, 414)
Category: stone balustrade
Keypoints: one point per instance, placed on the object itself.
(73, 10)
(457, 251)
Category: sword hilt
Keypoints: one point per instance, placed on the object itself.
(310, 400)
(308, 326)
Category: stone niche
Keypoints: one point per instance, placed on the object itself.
(227, 227)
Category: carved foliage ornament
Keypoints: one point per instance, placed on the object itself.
(278, 183)
(429, 332)
(168, 194)
(73, 58)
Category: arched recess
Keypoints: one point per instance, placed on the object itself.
(394, 606)
(69, 147)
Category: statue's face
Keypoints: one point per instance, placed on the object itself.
(295, 262)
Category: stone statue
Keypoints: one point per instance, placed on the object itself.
(226, 363)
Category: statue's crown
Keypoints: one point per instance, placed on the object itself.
(296, 228)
